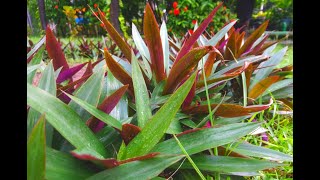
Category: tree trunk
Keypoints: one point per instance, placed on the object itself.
(42, 13)
(29, 21)
(114, 15)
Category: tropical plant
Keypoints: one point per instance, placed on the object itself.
(141, 114)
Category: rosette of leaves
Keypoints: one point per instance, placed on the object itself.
(121, 122)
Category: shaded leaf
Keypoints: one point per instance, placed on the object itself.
(60, 165)
(129, 131)
(152, 37)
(157, 125)
(36, 149)
(209, 65)
(278, 85)
(145, 169)
(63, 119)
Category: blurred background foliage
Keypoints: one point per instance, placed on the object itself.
(75, 18)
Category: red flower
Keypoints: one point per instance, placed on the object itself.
(176, 12)
(185, 9)
(194, 21)
(56, 6)
(190, 31)
(95, 5)
(175, 5)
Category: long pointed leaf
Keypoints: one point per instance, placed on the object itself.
(195, 142)
(153, 40)
(106, 106)
(141, 45)
(145, 169)
(55, 52)
(142, 101)
(36, 150)
(63, 166)
(229, 164)
(47, 83)
(258, 151)
(165, 46)
(116, 37)
(262, 86)
(220, 34)
(227, 110)
(35, 61)
(67, 74)
(96, 112)
(35, 49)
(90, 92)
(63, 119)
(118, 71)
(193, 38)
(181, 69)
(252, 38)
(159, 123)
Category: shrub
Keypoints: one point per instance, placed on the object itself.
(141, 114)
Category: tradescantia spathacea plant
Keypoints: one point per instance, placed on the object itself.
(141, 114)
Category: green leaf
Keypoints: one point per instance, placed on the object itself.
(225, 121)
(63, 119)
(35, 61)
(47, 83)
(32, 68)
(36, 149)
(278, 85)
(63, 166)
(96, 112)
(90, 93)
(142, 101)
(174, 127)
(36, 49)
(165, 46)
(220, 34)
(280, 93)
(206, 138)
(152, 37)
(267, 66)
(140, 44)
(228, 164)
(159, 123)
(258, 151)
(145, 169)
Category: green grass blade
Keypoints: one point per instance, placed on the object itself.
(36, 150)
(63, 119)
(141, 94)
(145, 169)
(159, 123)
(189, 158)
(195, 142)
(89, 92)
(96, 112)
(60, 165)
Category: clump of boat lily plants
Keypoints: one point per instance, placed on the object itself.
(165, 108)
